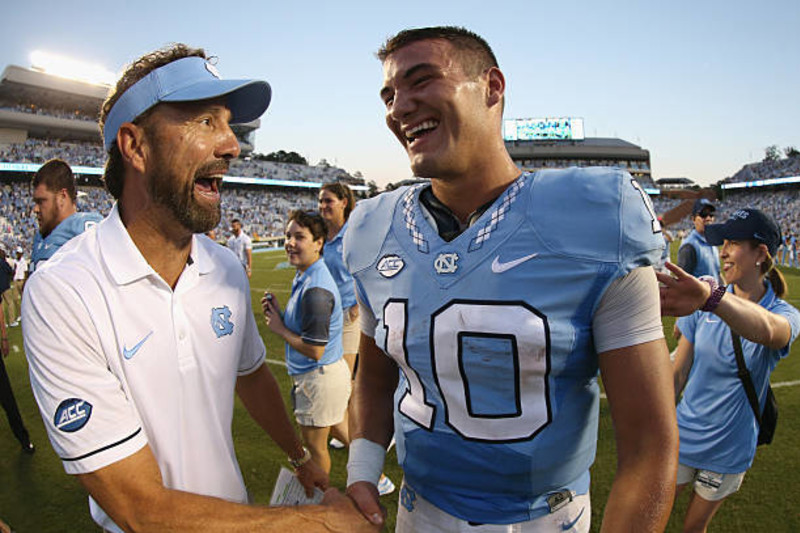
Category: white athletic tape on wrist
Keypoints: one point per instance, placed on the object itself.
(365, 462)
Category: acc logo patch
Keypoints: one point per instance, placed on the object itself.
(446, 263)
(221, 321)
(72, 414)
(390, 265)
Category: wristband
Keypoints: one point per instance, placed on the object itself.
(297, 463)
(717, 291)
(365, 462)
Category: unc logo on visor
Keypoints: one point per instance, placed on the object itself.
(72, 414)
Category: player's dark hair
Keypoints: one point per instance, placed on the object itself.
(114, 170)
(342, 192)
(310, 220)
(235, 220)
(56, 174)
(476, 54)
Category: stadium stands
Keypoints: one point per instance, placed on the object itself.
(765, 170)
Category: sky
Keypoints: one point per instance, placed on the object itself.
(703, 85)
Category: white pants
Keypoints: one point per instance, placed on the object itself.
(417, 515)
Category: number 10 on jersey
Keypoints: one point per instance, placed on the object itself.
(490, 362)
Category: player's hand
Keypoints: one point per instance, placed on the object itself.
(367, 500)
(4, 350)
(311, 475)
(681, 293)
(347, 518)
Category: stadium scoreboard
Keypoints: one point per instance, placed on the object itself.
(543, 129)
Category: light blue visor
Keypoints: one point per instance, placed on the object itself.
(187, 80)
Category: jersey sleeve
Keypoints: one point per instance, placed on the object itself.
(597, 214)
(89, 419)
(316, 310)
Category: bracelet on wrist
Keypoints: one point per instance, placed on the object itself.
(297, 463)
(717, 292)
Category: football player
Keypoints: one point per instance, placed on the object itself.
(498, 294)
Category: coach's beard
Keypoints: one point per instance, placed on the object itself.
(166, 191)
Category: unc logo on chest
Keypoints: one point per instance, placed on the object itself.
(221, 321)
(445, 263)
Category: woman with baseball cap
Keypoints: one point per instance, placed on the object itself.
(718, 426)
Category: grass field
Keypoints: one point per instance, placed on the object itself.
(37, 496)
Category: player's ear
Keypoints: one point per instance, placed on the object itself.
(131, 141)
(496, 86)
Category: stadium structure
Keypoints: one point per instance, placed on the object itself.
(558, 142)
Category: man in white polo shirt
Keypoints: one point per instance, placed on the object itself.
(139, 333)
(242, 246)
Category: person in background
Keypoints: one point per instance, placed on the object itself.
(54, 204)
(695, 255)
(336, 202)
(718, 428)
(312, 330)
(242, 246)
(18, 285)
(7, 398)
(6, 277)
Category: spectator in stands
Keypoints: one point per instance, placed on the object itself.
(311, 326)
(718, 426)
(695, 255)
(54, 204)
(242, 246)
(158, 453)
(7, 394)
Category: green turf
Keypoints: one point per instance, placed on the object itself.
(37, 496)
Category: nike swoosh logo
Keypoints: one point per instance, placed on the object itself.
(566, 526)
(499, 268)
(128, 354)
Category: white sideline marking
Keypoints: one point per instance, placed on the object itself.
(276, 362)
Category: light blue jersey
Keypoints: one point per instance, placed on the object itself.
(707, 255)
(718, 430)
(75, 224)
(332, 252)
(317, 318)
(497, 403)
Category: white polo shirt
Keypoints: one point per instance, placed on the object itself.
(119, 360)
(240, 245)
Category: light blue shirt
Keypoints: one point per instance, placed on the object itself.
(316, 324)
(718, 430)
(497, 404)
(75, 224)
(707, 255)
(332, 252)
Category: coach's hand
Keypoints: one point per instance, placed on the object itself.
(366, 497)
(311, 475)
(347, 516)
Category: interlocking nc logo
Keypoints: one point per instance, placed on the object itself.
(221, 321)
(446, 263)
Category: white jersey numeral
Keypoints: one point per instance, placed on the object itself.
(654, 223)
(526, 365)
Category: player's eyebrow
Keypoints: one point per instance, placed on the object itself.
(387, 91)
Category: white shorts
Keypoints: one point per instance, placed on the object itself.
(709, 485)
(351, 333)
(320, 396)
(415, 514)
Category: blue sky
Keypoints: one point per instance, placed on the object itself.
(703, 85)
